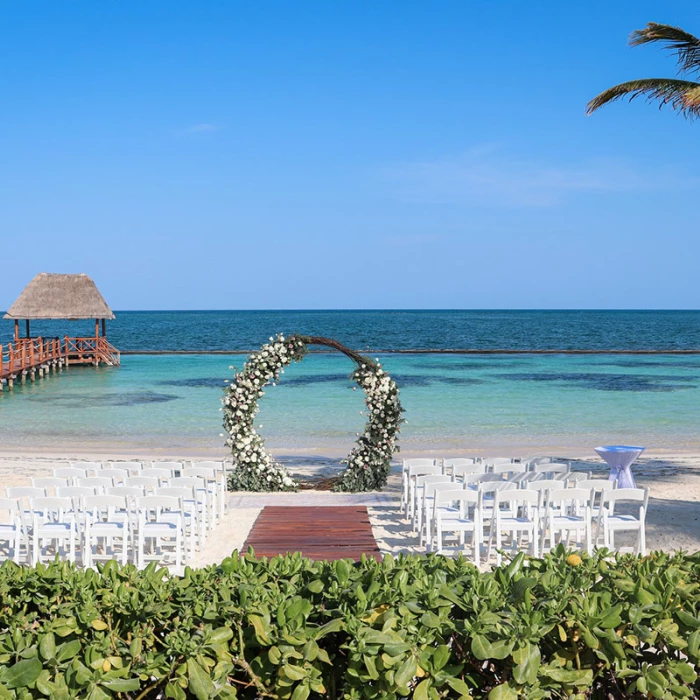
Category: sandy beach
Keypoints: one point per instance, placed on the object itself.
(673, 520)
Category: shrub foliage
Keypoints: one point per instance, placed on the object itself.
(291, 628)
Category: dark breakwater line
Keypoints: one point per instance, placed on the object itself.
(427, 351)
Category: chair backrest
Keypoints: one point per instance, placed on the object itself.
(492, 486)
(541, 486)
(173, 466)
(157, 504)
(491, 462)
(219, 466)
(11, 507)
(452, 462)
(431, 479)
(559, 495)
(422, 470)
(24, 492)
(49, 483)
(187, 481)
(103, 503)
(75, 491)
(517, 497)
(87, 466)
(133, 467)
(448, 496)
(467, 479)
(183, 492)
(510, 468)
(96, 482)
(113, 473)
(474, 468)
(69, 472)
(126, 491)
(158, 472)
(50, 504)
(552, 468)
(630, 495)
(204, 472)
(146, 482)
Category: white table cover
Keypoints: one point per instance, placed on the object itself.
(620, 458)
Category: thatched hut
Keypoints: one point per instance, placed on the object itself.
(52, 296)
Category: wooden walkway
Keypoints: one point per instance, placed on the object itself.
(29, 357)
(320, 532)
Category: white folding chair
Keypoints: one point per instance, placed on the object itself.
(425, 532)
(458, 511)
(49, 484)
(613, 522)
(492, 462)
(192, 520)
(53, 520)
(471, 480)
(99, 483)
(568, 511)
(222, 477)
(130, 493)
(508, 471)
(521, 516)
(407, 463)
(414, 471)
(201, 495)
(487, 488)
(106, 520)
(11, 527)
(24, 495)
(209, 475)
(424, 497)
(70, 473)
(160, 519)
(174, 467)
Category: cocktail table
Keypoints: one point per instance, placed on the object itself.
(620, 458)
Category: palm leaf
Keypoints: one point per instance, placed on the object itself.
(685, 45)
(681, 95)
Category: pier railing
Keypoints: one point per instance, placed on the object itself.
(32, 355)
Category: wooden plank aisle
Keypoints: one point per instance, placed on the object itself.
(319, 532)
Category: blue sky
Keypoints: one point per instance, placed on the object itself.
(345, 155)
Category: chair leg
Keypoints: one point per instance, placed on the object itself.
(642, 540)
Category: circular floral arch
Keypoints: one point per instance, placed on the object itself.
(256, 470)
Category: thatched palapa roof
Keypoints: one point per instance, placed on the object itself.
(53, 296)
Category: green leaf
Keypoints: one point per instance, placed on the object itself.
(560, 675)
(294, 673)
(371, 667)
(481, 647)
(259, 627)
(459, 686)
(688, 620)
(221, 634)
(99, 625)
(315, 586)
(301, 692)
(23, 673)
(441, 656)
(68, 650)
(335, 625)
(47, 646)
(406, 672)
(200, 682)
(528, 663)
(122, 685)
(421, 690)
(503, 692)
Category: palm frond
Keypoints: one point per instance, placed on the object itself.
(686, 46)
(681, 95)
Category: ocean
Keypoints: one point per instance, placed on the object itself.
(522, 402)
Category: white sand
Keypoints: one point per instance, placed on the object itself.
(673, 521)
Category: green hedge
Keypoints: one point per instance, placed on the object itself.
(426, 627)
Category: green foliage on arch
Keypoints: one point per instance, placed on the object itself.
(255, 469)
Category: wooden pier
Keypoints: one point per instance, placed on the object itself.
(37, 357)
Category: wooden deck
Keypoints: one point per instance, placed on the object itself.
(32, 357)
(320, 532)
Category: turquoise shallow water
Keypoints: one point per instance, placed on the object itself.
(451, 401)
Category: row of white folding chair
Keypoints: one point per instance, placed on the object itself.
(189, 489)
(558, 510)
(106, 517)
(419, 509)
